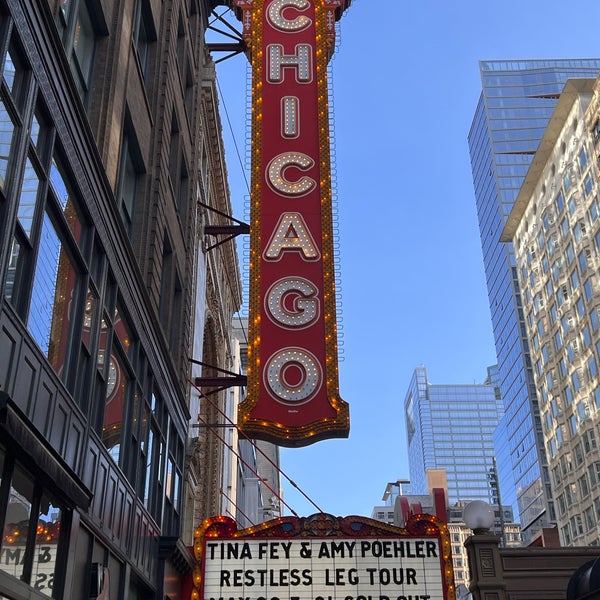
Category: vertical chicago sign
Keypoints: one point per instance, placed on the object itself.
(293, 392)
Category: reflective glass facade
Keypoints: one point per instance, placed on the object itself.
(517, 100)
(451, 427)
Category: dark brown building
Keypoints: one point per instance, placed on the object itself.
(110, 150)
(530, 573)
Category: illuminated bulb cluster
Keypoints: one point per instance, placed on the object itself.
(305, 305)
(276, 174)
(310, 381)
(18, 533)
(302, 60)
(277, 20)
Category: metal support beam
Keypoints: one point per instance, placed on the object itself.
(221, 382)
(230, 379)
(237, 46)
(241, 229)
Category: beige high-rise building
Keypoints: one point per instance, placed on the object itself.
(555, 229)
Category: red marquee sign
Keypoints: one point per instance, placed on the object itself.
(293, 393)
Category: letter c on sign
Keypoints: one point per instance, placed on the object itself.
(276, 174)
(293, 376)
(278, 21)
(292, 303)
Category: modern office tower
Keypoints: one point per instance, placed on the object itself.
(451, 427)
(555, 229)
(516, 102)
(110, 155)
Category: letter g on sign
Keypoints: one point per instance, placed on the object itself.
(292, 303)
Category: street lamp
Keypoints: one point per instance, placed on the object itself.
(483, 553)
(478, 516)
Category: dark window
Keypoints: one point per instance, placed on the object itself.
(130, 173)
(170, 305)
(80, 23)
(144, 34)
(31, 520)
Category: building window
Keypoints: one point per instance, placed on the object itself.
(16, 80)
(574, 280)
(594, 473)
(568, 396)
(130, 173)
(174, 154)
(584, 488)
(582, 259)
(567, 181)
(575, 380)
(80, 22)
(173, 482)
(170, 305)
(590, 520)
(144, 34)
(45, 273)
(118, 391)
(31, 522)
(588, 288)
(592, 367)
(573, 424)
(589, 440)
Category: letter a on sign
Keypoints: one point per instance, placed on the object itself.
(293, 394)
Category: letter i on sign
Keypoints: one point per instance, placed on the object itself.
(293, 394)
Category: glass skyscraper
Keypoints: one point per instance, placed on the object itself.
(451, 427)
(516, 102)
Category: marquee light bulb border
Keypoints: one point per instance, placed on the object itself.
(324, 526)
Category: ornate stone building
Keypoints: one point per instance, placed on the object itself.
(111, 165)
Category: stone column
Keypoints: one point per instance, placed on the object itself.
(485, 567)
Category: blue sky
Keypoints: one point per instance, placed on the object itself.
(405, 84)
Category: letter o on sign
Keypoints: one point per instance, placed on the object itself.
(293, 376)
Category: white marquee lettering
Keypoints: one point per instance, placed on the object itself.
(278, 21)
(293, 375)
(301, 61)
(276, 174)
(291, 233)
(290, 117)
(292, 302)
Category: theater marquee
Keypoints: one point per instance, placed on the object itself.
(323, 558)
(293, 392)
